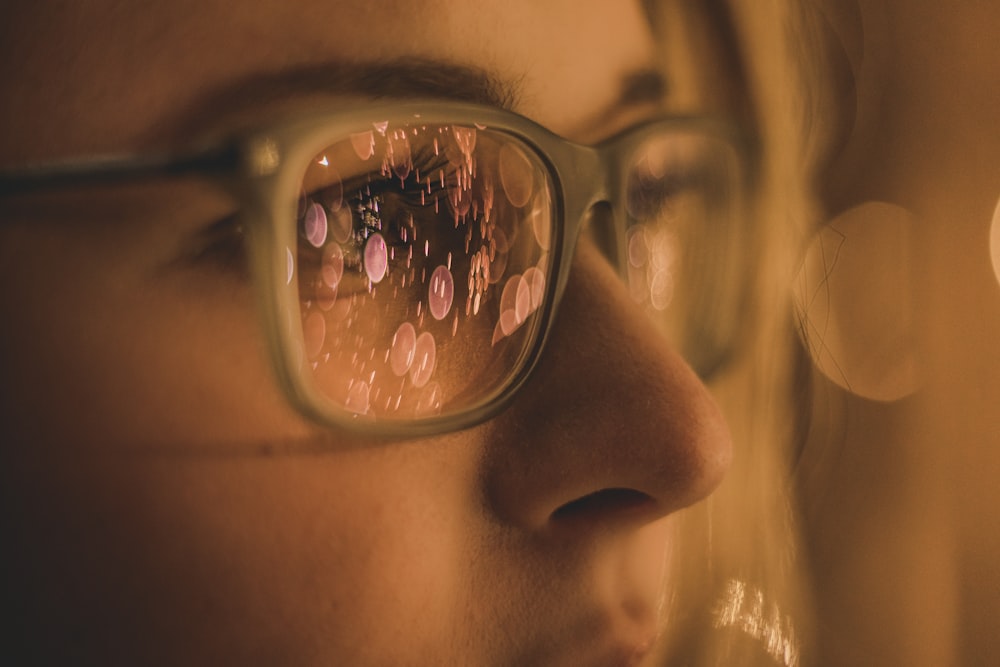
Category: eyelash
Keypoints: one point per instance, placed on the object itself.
(649, 198)
(223, 243)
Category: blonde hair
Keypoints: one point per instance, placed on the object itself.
(741, 593)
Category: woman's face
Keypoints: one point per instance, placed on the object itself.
(164, 504)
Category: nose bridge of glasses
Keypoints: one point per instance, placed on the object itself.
(593, 207)
(601, 226)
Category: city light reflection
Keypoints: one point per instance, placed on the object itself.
(995, 242)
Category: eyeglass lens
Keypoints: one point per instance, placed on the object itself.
(425, 253)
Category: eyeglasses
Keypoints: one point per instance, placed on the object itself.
(410, 257)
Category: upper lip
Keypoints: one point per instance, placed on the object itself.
(607, 605)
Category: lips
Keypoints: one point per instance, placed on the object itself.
(619, 631)
(626, 647)
(626, 655)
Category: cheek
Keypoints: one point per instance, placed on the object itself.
(109, 345)
(350, 554)
(338, 559)
(333, 557)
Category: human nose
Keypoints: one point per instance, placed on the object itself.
(614, 427)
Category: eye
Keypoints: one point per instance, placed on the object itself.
(654, 193)
(381, 222)
(420, 266)
(666, 172)
(222, 245)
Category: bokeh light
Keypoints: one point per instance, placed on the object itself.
(314, 334)
(363, 144)
(342, 224)
(516, 175)
(424, 359)
(315, 225)
(398, 154)
(376, 258)
(358, 398)
(855, 302)
(403, 348)
(995, 241)
(440, 292)
(430, 216)
(333, 265)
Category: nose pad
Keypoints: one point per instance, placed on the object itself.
(600, 229)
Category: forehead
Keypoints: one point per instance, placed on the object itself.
(107, 75)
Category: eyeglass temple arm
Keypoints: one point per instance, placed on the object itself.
(116, 169)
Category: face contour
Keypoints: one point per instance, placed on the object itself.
(164, 504)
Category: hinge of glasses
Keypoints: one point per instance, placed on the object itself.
(262, 157)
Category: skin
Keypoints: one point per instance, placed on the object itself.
(163, 504)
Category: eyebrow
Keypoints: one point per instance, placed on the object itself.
(644, 86)
(399, 78)
(220, 108)
(388, 79)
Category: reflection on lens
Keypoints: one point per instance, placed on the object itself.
(686, 256)
(498, 249)
(358, 398)
(326, 297)
(459, 200)
(429, 402)
(424, 357)
(414, 226)
(663, 250)
(404, 346)
(376, 258)
(441, 292)
(995, 241)
(652, 258)
(535, 280)
(522, 296)
(541, 226)
(637, 248)
(399, 154)
(363, 144)
(465, 139)
(343, 224)
(333, 265)
(514, 293)
(315, 225)
(516, 175)
(661, 288)
(331, 197)
(314, 334)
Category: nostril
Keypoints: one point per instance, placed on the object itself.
(606, 504)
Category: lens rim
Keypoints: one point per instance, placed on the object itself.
(254, 164)
(580, 177)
